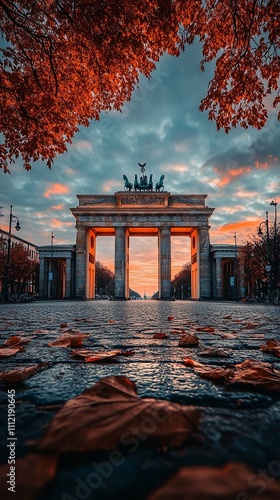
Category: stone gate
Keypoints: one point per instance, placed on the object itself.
(145, 213)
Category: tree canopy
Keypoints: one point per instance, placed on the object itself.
(62, 62)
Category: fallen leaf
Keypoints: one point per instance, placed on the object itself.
(178, 330)
(170, 318)
(63, 325)
(208, 329)
(111, 321)
(21, 374)
(256, 373)
(188, 340)
(228, 335)
(126, 353)
(10, 351)
(208, 371)
(226, 317)
(212, 483)
(160, 335)
(15, 341)
(83, 353)
(111, 414)
(272, 346)
(215, 351)
(249, 325)
(43, 467)
(98, 357)
(67, 340)
(250, 372)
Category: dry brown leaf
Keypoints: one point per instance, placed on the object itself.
(63, 325)
(256, 373)
(249, 325)
(272, 346)
(212, 483)
(21, 374)
(208, 329)
(178, 330)
(249, 372)
(111, 414)
(33, 472)
(10, 351)
(170, 318)
(228, 335)
(67, 340)
(127, 353)
(215, 351)
(98, 357)
(208, 371)
(188, 340)
(15, 341)
(83, 353)
(160, 335)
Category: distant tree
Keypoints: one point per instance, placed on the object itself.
(181, 283)
(23, 271)
(104, 279)
(261, 253)
(64, 61)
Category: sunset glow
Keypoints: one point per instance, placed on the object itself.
(238, 171)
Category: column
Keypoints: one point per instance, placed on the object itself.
(204, 263)
(90, 263)
(80, 281)
(195, 261)
(42, 292)
(120, 263)
(164, 272)
(68, 278)
(218, 277)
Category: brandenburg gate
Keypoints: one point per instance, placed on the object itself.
(140, 210)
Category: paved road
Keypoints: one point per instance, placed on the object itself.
(237, 424)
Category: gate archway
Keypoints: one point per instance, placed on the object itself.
(126, 214)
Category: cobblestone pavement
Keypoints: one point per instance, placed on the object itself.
(237, 424)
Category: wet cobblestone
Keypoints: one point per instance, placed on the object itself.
(237, 424)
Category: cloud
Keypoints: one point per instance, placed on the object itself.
(56, 189)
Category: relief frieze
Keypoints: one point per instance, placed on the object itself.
(140, 199)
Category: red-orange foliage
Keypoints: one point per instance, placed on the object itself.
(65, 61)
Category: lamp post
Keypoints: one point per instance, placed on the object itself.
(13, 218)
(274, 203)
(51, 269)
(235, 269)
(268, 267)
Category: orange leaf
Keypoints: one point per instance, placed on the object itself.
(272, 346)
(215, 351)
(111, 413)
(98, 357)
(160, 335)
(15, 376)
(208, 329)
(188, 340)
(250, 372)
(210, 483)
(170, 318)
(5, 352)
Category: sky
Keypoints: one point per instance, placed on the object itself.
(162, 126)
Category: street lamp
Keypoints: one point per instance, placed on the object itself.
(13, 218)
(268, 267)
(274, 204)
(235, 269)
